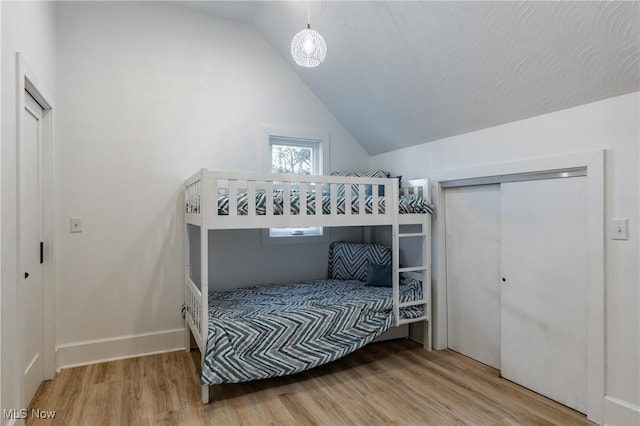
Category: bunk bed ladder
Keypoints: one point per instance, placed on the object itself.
(424, 270)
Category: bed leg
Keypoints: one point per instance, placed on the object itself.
(426, 337)
(205, 394)
(187, 337)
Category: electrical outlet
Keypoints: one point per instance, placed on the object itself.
(76, 224)
(620, 229)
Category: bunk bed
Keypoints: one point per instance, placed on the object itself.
(235, 200)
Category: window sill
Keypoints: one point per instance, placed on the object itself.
(267, 240)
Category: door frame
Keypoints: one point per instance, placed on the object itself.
(593, 163)
(27, 82)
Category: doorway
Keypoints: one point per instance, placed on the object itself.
(31, 243)
(516, 273)
(591, 163)
(33, 226)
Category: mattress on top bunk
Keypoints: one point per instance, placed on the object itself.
(270, 331)
(408, 204)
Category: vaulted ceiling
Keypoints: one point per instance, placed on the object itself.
(401, 73)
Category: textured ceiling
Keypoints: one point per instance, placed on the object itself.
(403, 73)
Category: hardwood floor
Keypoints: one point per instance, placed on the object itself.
(394, 382)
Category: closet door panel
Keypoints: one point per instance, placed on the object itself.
(544, 267)
(473, 271)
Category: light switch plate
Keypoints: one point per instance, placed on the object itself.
(619, 230)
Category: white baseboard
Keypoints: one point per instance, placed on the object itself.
(121, 347)
(620, 413)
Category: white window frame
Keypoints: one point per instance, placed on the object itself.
(316, 139)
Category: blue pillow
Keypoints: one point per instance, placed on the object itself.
(354, 187)
(368, 190)
(348, 261)
(379, 275)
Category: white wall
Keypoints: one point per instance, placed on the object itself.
(1, 334)
(276, 263)
(148, 93)
(27, 27)
(611, 124)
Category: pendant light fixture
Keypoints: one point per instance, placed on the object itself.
(308, 48)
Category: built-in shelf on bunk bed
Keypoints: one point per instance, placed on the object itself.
(235, 200)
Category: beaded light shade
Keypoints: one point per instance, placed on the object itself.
(308, 48)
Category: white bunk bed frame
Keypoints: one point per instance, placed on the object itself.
(202, 211)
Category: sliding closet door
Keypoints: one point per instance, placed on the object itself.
(472, 237)
(544, 273)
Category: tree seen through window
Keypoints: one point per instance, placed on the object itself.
(291, 159)
(294, 156)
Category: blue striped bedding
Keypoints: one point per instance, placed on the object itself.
(408, 204)
(260, 332)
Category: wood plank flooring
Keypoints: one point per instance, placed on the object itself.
(393, 382)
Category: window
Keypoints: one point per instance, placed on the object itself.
(297, 156)
(296, 152)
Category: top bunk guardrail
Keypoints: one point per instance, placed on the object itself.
(234, 200)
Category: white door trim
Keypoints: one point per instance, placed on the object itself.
(593, 161)
(27, 81)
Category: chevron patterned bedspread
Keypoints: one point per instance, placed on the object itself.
(260, 332)
(408, 204)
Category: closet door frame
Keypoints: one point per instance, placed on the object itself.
(591, 163)
(27, 82)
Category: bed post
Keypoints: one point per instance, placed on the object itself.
(427, 339)
(204, 289)
(392, 205)
(206, 189)
(187, 270)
